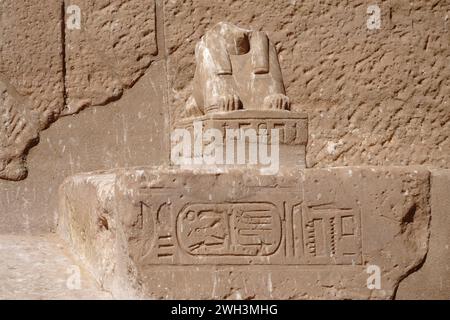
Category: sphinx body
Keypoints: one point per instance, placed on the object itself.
(236, 69)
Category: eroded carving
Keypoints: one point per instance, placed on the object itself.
(18, 133)
(301, 227)
(295, 222)
(245, 229)
(292, 127)
(112, 48)
(238, 91)
(332, 235)
(236, 69)
(279, 228)
(256, 233)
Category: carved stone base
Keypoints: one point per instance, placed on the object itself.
(292, 130)
(178, 234)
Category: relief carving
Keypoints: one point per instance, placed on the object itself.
(31, 79)
(294, 224)
(18, 133)
(244, 229)
(282, 231)
(238, 87)
(332, 235)
(302, 227)
(236, 69)
(292, 126)
(118, 40)
(90, 65)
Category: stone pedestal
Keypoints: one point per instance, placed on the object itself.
(159, 232)
(292, 129)
(231, 229)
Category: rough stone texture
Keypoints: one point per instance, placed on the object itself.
(129, 132)
(31, 78)
(432, 280)
(238, 87)
(292, 137)
(40, 268)
(116, 44)
(373, 97)
(301, 234)
(376, 97)
(236, 69)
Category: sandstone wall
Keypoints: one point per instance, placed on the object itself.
(432, 281)
(93, 66)
(378, 97)
(374, 97)
(31, 78)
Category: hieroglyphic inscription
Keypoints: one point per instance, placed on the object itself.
(332, 236)
(278, 233)
(244, 229)
(292, 127)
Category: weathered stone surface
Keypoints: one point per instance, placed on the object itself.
(377, 97)
(432, 279)
(291, 129)
(301, 234)
(31, 78)
(374, 97)
(129, 132)
(238, 97)
(236, 69)
(116, 43)
(43, 60)
(18, 133)
(41, 268)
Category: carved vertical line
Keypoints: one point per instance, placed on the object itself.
(162, 54)
(63, 53)
(297, 231)
(333, 236)
(288, 212)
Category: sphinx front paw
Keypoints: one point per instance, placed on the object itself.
(228, 102)
(192, 110)
(277, 102)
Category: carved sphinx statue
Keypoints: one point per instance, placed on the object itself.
(236, 69)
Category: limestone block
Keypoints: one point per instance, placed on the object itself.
(57, 59)
(160, 232)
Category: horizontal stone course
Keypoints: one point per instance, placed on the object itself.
(145, 231)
